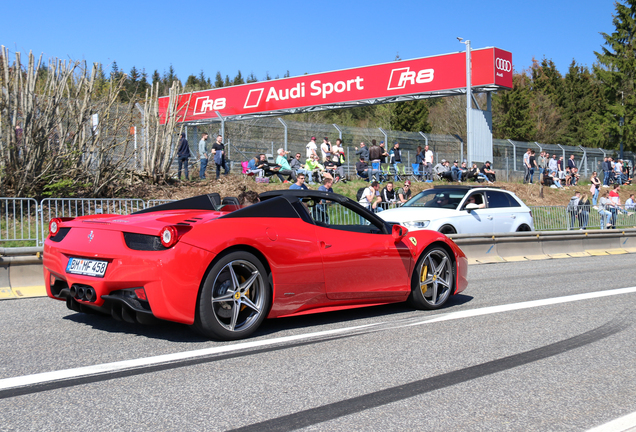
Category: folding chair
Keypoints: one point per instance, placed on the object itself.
(417, 175)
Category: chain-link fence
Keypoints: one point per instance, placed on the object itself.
(248, 138)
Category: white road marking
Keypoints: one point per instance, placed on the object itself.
(46, 377)
(621, 424)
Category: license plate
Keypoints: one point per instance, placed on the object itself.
(86, 267)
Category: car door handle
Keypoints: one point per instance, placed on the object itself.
(513, 216)
(489, 217)
(324, 245)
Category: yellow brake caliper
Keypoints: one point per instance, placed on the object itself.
(423, 276)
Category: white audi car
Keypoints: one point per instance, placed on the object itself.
(463, 210)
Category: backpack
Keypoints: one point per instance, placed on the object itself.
(360, 193)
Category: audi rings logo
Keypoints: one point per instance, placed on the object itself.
(503, 65)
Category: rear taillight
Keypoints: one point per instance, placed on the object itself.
(169, 236)
(141, 294)
(54, 226)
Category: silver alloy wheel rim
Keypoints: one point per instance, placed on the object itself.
(436, 276)
(240, 306)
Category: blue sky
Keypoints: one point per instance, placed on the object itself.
(300, 36)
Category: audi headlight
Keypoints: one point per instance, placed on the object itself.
(415, 225)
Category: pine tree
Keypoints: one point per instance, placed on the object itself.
(218, 80)
(238, 79)
(411, 116)
(616, 69)
(227, 81)
(511, 111)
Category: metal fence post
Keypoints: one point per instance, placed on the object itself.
(514, 155)
(285, 126)
(339, 131)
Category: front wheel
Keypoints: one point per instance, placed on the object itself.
(433, 280)
(448, 230)
(234, 299)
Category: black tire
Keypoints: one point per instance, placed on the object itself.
(523, 227)
(234, 299)
(447, 229)
(433, 280)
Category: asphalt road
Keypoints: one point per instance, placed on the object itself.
(549, 365)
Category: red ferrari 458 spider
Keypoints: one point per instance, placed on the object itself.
(225, 268)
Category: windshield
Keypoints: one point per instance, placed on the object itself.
(437, 198)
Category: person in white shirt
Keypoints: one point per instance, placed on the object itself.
(630, 204)
(311, 148)
(325, 148)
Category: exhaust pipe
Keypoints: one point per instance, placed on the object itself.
(73, 291)
(80, 293)
(90, 294)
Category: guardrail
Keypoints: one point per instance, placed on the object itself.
(24, 221)
(545, 244)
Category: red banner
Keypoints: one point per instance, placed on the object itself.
(491, 67)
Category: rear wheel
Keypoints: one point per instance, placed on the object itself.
(523, 227)
(234, 299)
(433, 280)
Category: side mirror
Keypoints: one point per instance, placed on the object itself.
(471, 206)
(398, 232)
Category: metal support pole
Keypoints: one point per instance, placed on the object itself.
(583, 160)
(461, 151)
(424, 136)
(564, 158)
(339, 131)
(222, 128)
(538, 145)
(469, 126)
(386, 138)
(143, 133)
(285, 126)
(514, 155)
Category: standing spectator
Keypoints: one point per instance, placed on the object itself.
(429, 158)
(604, 206)
(573, 209)
(488, 172)
(560, 167)
(542, 161)
(396, 158)
(383, 155)
(363, 152)
(203, 156)
(285, 169)
(311, 148)
(630, 204)
(594, 189)
(533, 165)
(404, 193)
(374, 152)
(616, 202)
(218, 148)
(553, 165)
(607, 169)
(337, 155)
(325, 149)
(584, 212)
(419, 160)
(618, 172)
(183, 153)
(571, 163)
(526, 166)
(299, 184)
(388, 194)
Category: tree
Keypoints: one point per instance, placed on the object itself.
(238, 79)
(411, 116)
(511, 111)
(227, 81)
(616, 68)
(218, 80)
